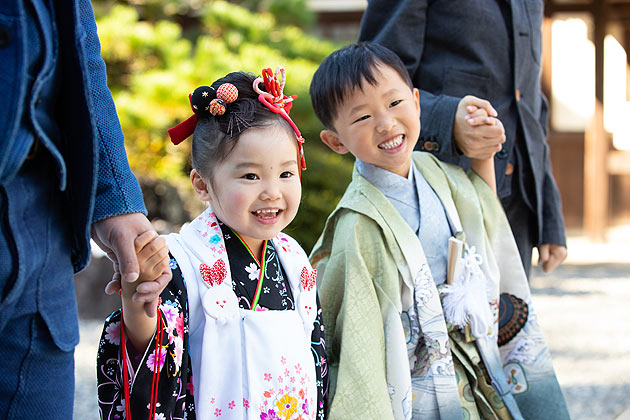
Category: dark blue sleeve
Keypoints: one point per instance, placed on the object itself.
(117, 190)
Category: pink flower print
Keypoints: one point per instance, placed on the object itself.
(179, 351)
(283, 360)
(292, 379)
(113, 333)
(302, 380)
(152, 361)
(179, 325)
(245, 403)
(298, 368)
(286, 372)
(269, 415)
(170, 314)
(231, 405)
(189, 387)
(212, 400)
(305, 407)
(280, 379)
(267, 377)
(217, 412)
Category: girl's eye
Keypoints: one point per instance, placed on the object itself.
(286, 174)
(394, 103)
(250, 176)
(362, 118)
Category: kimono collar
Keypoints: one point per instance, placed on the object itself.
(400, 191)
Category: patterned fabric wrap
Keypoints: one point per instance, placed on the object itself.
(303, 395)
(234, 378)
(373, 274)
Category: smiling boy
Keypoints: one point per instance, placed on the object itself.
(395, 350)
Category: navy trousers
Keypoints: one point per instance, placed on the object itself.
(36, 367)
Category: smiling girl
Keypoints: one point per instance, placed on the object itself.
(240, 322)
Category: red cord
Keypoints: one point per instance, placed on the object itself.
(125, 369)
(156, 357)
(156, 377)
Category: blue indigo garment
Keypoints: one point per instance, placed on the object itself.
(435, 229)
(400, 191)
(420, 207)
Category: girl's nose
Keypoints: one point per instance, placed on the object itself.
(271, 191)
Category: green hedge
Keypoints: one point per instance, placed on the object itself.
(159, 51)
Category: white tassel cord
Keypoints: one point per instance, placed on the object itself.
(465, 300)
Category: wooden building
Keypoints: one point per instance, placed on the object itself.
(586, 76)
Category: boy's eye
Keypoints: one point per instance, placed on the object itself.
(250, 176)
(394, 103)
(286, 174)
(361, 118)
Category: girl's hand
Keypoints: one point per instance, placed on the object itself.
(152, 256)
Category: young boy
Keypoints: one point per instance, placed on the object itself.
(402, 343)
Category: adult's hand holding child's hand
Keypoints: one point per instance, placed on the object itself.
(116, 236)
(477, 131)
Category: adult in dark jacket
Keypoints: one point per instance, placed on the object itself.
(64, 177)
(486, 54)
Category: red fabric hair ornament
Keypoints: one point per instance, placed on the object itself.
(276, 101)
(273, 98)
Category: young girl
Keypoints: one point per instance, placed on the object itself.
(240, 322)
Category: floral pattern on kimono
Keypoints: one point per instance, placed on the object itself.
(175, 391)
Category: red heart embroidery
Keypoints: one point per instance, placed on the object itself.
(213, 276)
(308, 278)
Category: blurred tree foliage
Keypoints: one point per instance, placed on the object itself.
(157, 51)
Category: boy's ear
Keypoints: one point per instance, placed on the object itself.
(332, 140)
(200, 186)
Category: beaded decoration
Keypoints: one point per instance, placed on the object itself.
(204, 103)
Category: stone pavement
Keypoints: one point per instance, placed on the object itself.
(583, 310)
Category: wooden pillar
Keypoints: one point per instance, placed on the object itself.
(596, 182)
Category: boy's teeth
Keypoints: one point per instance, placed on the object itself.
(392, 144)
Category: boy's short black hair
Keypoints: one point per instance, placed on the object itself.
(345, 70)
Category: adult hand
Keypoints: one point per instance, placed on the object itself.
(116, 235)
(550, 256)
(479, 135)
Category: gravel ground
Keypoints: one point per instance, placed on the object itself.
(582, 308)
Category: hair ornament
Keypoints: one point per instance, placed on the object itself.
(241, 116)
(200, 100)
(226, 93)
(276, 101)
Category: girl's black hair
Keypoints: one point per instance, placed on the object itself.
(347, 69)
(216, 136)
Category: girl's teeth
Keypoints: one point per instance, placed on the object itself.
(268, 213)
